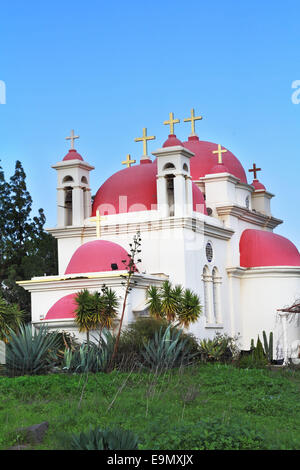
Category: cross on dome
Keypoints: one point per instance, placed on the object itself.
(219, 152)
(192, 120)
(171, 123)
(72, 138)
(254, 170)
(98, 219)
(128, 161)
(144, 139)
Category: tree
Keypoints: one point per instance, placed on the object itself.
(25, 248)
(174, 304)
(10, 318)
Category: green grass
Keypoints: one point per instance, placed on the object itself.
(206, 406)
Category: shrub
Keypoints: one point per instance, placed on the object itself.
(222, 348)
(98, 439)
(143, 330)
(30, 353)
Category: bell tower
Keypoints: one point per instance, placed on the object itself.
(73, 188)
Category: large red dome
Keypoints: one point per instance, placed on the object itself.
(204, 160)
(97, 256)
(260, 248)
(63, 308)
(134, 189)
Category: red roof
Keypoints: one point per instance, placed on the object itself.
(134, 189)
(172, 141)
(258, 185)
(97, 256)
(204, 160)
(72, 155)
(63, 308)
(261, 248)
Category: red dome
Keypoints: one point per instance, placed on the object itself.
(73, 155)
(220, 168)
(204, 160)
(63, 308)
(172, 141)
(97, 256)
(258, 185)
(198, 200)
(134, 189)
(260, 248)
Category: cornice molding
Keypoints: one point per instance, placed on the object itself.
(247, 215)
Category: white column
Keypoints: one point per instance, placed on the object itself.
(179, 195)
(162, 196)
(77, 206)
(189, 196)
(61, 211)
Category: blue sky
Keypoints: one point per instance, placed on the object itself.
(108, 69)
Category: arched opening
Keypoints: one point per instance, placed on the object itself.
(170, 194)
(169, 166)
(68, 179)
(84, 180)
(207, 294)
(68, 205)
(216, 280)
(185, 167)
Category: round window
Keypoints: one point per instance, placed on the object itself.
(209, 252)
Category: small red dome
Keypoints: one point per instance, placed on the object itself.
(133, 189)
(260, 248)
(63, 308)
(258, 185)
(97, 256)
(219, 168)
(204, 160)
(73, 155)
(172, 141)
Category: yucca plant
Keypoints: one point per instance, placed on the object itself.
(167, 349)
(174, 304)
(31, 353)
(98, 439)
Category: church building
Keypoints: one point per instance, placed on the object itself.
(203, 225)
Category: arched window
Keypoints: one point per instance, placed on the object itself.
(67, 179)
(84, 180)
(69, 206)
(207, 281)
(216, 281)
(185, 167)
(170, 194)
(168, 166)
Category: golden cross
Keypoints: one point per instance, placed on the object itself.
(98, 220)
(219, 152)
(144, 139)
(72, 138)
(254, 170)
(192, 119)
(171, 123)
(128, 161)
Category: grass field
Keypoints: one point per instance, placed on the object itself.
(202, 407)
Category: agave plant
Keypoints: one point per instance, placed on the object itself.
(168, 349)
(91, 357)
(30, 352)
(98, 439)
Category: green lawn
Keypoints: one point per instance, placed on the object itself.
(203, 407)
